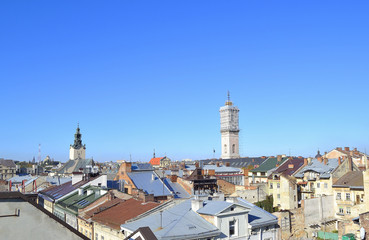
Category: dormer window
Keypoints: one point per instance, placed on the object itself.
(232, 208)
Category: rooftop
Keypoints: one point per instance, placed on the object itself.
(315, 165)
(150, 183)
(123, 211)
(352, 179)
(269, 164)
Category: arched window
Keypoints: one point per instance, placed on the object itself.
(233, 148)
(225, 148)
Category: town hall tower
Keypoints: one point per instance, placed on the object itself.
(229, 130)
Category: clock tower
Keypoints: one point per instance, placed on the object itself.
(229, 130)
(77, 150)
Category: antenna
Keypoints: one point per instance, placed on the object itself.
(229, 96)
(130, 157)
(39, 154)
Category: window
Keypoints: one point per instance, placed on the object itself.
(271, 186)
(294, 198)
(233, 148)
(278, 196)
(341, 210)
(347, 196)
(102, 237)
(86, 233)
(325, 185)
(232, 228)
(225, 148)
(348, 210)
(318, 185)
(311, 185)
(338, 197)
(96, 236)
(278, 185)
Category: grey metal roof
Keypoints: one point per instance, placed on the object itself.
(238, 162)
(19, 179)
(177, 189)
(258, 217)
(75, 165)
(179, 222)
(214, 207)
(220, 169)
(141, 166)
(7, 163)
(319, 167)
(150, 183)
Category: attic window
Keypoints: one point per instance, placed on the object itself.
(232, 208)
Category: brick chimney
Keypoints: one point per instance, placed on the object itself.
(325, 161)
(347, 149)
(350, 163)
(339, 161)
(279, 158)
(305, 161)
(173, 178)
(228, 164)
(197, 164)
(126, 167)
(320, 159)
(339, 148)
(218, 164)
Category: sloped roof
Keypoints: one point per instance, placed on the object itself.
(238, 162)
(7, 163)
(215, 207)
(258, 217)
(287, 168)
(149, 182)
(155, 161)
(269, 164)
(101, 207)
(350, 179)
(177, 189)
(123, 211)
(319, 167)
(74, 166)
(220, 169)
(141, 166)
(179, 222)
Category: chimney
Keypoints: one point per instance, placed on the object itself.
(197, 164)
(325, 161)
(355, 150)
(218, 164)
(347, 149)
(80, 191)
(277, 165)
(279, 158)
(350, 163)
(196, 204)
(173, 178)
(305, 161)
(228, 164)
(76, 177)
(320, 159)
(339, 148)
(152, 177)
(339, 161)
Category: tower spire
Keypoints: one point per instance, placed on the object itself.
(228, 102)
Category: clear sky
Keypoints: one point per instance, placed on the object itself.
(139, 75)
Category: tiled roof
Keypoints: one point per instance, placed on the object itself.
(102, 207)
(120, 213)
(7, 163)
(149, 182)
(155, 161)
(319, 167)
(269, 164)
(350, 179)
(290, 166)
(220, 169)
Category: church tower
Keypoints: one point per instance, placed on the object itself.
(229, 130)
(77, 150)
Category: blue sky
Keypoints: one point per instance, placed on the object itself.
(139, 75)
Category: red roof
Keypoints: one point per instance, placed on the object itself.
(120, 213)
(155, 161)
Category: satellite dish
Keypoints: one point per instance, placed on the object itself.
(362, 233)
